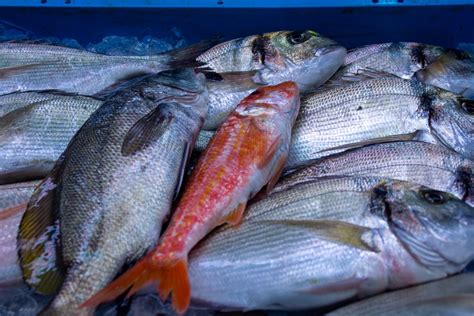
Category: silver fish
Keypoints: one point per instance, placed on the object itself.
(34, 67)
(402, 59)
(328, 241)
(112, 188)
(376, 110)
(35, 129)
(452, 296)
(426, 164)
(453, 71)
(13, 200)
(304, 57)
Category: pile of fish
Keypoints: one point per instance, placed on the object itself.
(272, 172)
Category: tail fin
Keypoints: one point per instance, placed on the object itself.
(172, 278)
(186, 56)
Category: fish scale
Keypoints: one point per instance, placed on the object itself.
(117, 183)
(266, 263)
(247, 153)
(373, 109)
(37, 67)
(423, 163)
(35, 130)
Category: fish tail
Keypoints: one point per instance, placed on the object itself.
(171, 278)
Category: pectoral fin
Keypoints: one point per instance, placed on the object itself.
(148, 129)
(38, 238)
(335, 231)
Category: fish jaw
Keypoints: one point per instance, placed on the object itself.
(311, 73)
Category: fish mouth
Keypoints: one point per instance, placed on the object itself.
(330, 49)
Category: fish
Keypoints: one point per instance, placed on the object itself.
(451, 296)
(452, 71)
(35, 128)
(247, 153)
(244, 64)
(13, 200)
(28, 66)
(329, 241)
(379, 110)
(103, 204)
(402, 59)
(426, 164)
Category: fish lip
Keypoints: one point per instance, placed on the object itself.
(330, 49)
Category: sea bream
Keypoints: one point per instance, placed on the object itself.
(247, 153)
(244, 64)
(453, 71)
(35, 129)
(377, 110)
(329, 241)
(105, 200)
(402, 59)
(452, 296)
(426, 164)
(36, 67)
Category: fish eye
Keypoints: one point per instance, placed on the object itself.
(298, 37)
(433, 197)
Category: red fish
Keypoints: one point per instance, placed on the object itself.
(247, 152)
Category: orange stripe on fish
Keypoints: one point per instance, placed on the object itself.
(247, 152)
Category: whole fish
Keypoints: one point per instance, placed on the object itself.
(376, 110)
(34, 67)
(35, 129)
(331, 240)
(426, 164)
(452, 296)
(111, 189)
(402, 59)
(304, 57)
(13, 200)
(452, 71)
(247, 152)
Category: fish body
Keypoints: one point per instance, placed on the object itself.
(116, 183)
(378, 110)
(419, 162)
(327, 241)
(452, 296)
(13, 200)
(247, 152)
(402, 59)
(35, 67)
(35, 129)
(452, 71)
(246, 63)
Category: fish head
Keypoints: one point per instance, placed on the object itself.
(452, 71)
(280, 99)
(435, 227)
(304, 57)
(419, 56)
(452, 123)
(184, 85)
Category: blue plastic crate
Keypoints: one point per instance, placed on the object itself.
(351, 22)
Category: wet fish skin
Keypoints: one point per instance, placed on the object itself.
(247, 153)
(37, 67)
(119, 176)
(419, 162)
(378, 109)
(13, 199)
(402, 59)
(35, 129)
(304, 57)
(434, 298)
(452, 71)
(276, 260)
